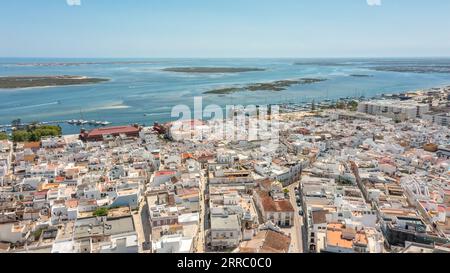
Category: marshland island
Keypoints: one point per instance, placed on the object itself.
(275, 86)
(415, 69)
(14, 82)
(212, 70)
(361, 76)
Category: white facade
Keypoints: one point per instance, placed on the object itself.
(13, 232)
(62, 213)
(402, 110)
(127, 243)
(176, 243)
(442, 119)
(225, 231)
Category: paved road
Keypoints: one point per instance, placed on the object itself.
(200, 243)
(297, 230)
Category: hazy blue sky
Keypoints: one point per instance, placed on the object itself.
(224, 28)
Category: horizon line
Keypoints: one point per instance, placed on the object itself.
(238, 57)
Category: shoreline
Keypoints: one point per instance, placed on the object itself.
(317, 101)
(31, 82)
(273, 86)
(46, 87)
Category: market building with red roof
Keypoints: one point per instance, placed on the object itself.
(98, 134)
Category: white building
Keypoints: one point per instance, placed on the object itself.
(401, 110)
(225, 231)
(442, 119)
(61, 212)
(176, 243)
(123, 243)
(14, 232)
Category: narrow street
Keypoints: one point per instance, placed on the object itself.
(142, 223)
(297, 228)
(200, 243)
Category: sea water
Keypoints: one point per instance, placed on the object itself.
(139, 91)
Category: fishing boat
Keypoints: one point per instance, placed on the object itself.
(105, 123)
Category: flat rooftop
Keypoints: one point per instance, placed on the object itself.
(225, 222)
(92, 227)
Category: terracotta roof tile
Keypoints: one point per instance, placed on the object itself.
(276, 243)
(272, 205)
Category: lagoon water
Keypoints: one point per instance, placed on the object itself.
(140, 92)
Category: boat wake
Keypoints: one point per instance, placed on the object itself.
(36, 105)
(157, 114)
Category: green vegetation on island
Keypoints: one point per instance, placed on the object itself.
(35, 133)
(275, 86)
(322, 63)
(45, 81)
(212, 70)
(414, 69)
(361, 75)
(222, 91)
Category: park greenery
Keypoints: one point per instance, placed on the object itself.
(3, 136)
(351, 105)
(35, 133)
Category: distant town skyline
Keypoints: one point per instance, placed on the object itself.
(224, 29)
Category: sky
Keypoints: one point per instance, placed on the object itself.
(224, 28)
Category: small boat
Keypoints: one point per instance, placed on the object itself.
(81, 122)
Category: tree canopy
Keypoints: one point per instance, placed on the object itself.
(101, 212)
(35, 133)
(3, 136)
